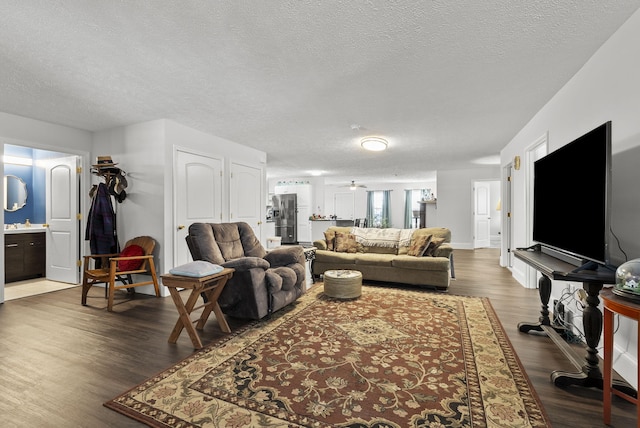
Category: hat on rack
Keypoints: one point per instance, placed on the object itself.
(104, 162)
(117, 184)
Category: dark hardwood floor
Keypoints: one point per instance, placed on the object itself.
(60, 361)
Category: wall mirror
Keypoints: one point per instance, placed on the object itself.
(15, 193)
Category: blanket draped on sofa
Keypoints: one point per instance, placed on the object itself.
(389, 237)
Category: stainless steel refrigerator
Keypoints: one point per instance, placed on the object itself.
(285, 214)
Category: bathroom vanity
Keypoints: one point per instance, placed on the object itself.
(25, 254)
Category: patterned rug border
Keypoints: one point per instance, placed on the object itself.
(293, 310)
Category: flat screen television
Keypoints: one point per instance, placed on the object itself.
(572, 198)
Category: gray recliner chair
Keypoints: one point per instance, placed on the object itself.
(263, 282)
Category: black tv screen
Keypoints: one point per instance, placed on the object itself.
(571, 197)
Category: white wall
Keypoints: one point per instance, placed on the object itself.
(181, 136)
(455, 202)
(139, 150)
(145, 152)
(397, 198)
(453, 190)
(28, 132)
(606, 88)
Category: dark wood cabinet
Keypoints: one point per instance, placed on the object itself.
(24, 256)
(423, 212)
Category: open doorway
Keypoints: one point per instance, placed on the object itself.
(44, 226)
(486, 214)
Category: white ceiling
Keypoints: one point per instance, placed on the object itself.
(448, 83)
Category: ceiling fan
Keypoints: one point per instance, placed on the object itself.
(354, 186)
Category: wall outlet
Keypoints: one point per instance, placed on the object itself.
(582, 297)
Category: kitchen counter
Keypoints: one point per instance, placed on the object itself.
(318, 226)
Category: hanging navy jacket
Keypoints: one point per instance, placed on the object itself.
(101, 223)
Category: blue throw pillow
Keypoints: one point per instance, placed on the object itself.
(196, 269)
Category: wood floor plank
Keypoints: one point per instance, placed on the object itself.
(60, 361)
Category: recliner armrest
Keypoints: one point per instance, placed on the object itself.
(246, 263)
(320, 244)
(284, 256)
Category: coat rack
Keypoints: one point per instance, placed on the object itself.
(114, 179)
(101, 221)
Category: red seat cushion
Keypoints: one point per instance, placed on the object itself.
(130, 251)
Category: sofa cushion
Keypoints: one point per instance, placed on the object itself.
(227, 237)
(202, 243)
(345, 243)
(250, 243)
(434, 244)
(419, 245)
(379, 250)
(380, 260)
(330, 238)
(333, 257)
(421, 263)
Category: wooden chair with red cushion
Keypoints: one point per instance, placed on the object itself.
(135, 258)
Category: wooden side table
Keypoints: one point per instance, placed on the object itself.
(614, 304)
(211, 286)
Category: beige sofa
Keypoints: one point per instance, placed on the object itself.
(390, 264)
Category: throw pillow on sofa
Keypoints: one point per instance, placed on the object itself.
(346, 243)
(419, 245)
(433, 246)
(330, 237)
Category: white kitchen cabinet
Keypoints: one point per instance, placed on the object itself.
(318, 227)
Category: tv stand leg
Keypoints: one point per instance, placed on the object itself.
(589, 374)
(544, 289)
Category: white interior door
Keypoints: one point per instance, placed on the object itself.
(62, 182)
(482, 214)
(197, 196)
(245, 196)
(344, 205)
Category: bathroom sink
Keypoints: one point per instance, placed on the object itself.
(22, 229)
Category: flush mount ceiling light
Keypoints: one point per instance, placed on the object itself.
(375, 144)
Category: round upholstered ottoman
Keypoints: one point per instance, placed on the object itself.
(343, 284)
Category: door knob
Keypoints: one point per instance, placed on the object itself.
(180, 227)
(45, 225)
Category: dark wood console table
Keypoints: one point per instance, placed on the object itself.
(423, 212)
(588, 373)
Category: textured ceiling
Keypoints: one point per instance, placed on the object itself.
(447, 83)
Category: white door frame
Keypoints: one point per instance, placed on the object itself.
(536, 150)
(83, 190)
(181, 253)
(506, 192)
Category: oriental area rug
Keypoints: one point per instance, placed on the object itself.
(391, 358)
